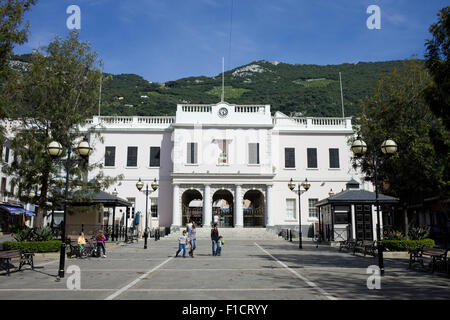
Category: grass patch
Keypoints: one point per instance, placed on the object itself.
(230, 92)
(314, 83)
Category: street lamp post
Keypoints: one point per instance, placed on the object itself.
(306, 186)
(139, 186)
(114, 193)
(388, 147)
(55, 150)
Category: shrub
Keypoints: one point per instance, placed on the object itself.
(417, 234)
(33, 246)
(405, 245)
(394, 235)
(29, 234)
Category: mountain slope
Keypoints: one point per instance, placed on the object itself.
(310, 89)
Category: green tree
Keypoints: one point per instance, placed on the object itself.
(12, 32)
(50, 102)
(438, 63)
(398, 110)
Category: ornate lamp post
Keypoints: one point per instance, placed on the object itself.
(388, 147)
(139, 186)
(306, 186)
(55, 150)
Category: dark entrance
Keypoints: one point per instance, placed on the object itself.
(223, 208)
(363, 214)
(192, 202)
(254, 209)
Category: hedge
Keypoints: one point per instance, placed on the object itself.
(405, 245)
(33, 247)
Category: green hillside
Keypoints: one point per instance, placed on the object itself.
(311, 89)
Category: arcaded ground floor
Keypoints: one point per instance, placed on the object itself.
(246, 270)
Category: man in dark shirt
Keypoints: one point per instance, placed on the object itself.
(215, 239)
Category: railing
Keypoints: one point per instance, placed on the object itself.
(196, 108)
(328, 122)
(90, 231)
(313, 122)
(156, 120)
(250, 109)
(131, 121)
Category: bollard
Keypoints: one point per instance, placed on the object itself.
(290, 235)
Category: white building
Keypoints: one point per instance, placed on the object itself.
(232, 160)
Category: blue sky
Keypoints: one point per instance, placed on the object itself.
(165, 40)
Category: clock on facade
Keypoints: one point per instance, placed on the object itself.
(223, 112)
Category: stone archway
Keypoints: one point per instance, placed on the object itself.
(223, 207)
(254, 209)
(192, 207)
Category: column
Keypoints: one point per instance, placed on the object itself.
(269, 209)
(207, 207)
(238, 213)
(353, 221)
(176, 214)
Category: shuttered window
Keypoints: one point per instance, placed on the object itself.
(155, 153)
(132, 157)
(192, 153)
(334, 158)
(312, 158)
(289, 158)
(110, 156)
(253, 153)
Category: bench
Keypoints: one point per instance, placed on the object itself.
(366, 247)
(7, 256)
(436, 255)
(347, 244)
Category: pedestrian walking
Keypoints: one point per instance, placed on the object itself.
(192, 235)
(189, 225)
(182, 242)
(216, 219)
(101, 239)
(215, 239)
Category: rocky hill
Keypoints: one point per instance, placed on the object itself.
(310, 90)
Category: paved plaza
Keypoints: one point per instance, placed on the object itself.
(247, 270)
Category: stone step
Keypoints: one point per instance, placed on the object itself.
(232, 234)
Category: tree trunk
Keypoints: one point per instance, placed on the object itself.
(406, 223)
(42, 209)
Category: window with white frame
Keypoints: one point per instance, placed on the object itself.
(253, 153)
(290, 209)
(192, 148)
(154, 208)
(313, 212)
(223, 151)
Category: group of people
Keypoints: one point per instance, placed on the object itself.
(189, 237)
(100, 239)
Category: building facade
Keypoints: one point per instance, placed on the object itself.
(225, 163)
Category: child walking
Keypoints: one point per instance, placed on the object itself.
(182, 242)
(220, 244)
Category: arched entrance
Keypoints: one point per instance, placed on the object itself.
(192, 203)
(223, 207)
(254, 209)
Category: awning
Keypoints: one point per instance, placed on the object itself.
(15, 211)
